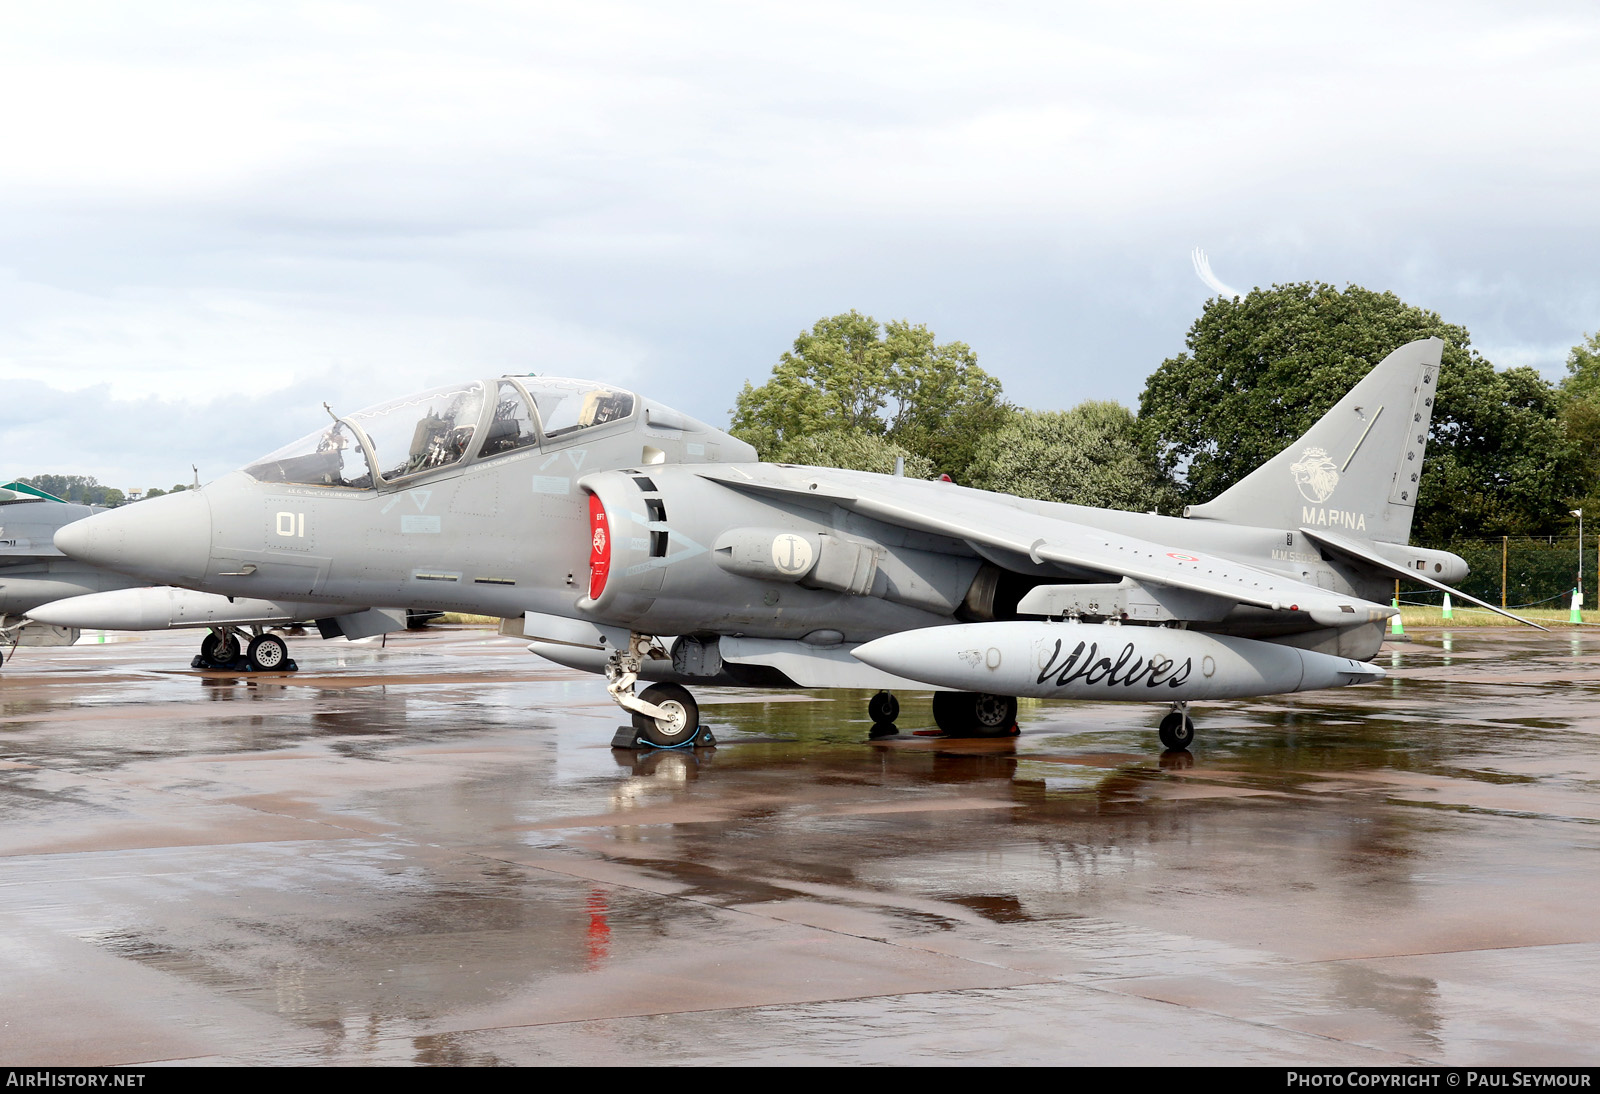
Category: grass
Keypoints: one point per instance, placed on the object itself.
(1422, 615)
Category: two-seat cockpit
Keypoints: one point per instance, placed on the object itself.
(446, 427)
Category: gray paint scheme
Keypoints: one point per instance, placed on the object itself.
(704, 545)
(39, 584)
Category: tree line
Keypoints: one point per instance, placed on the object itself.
(1509, 452)
(87, 490)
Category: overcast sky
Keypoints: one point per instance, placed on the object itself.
(214, 216)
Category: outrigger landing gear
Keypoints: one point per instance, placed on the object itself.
(220, 649)
(664, 715)
(1177, 730)
(883, 708)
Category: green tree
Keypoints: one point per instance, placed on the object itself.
(854, 449)
(84, 489)
(1583, 370)
(1260, 370)
(1089, 455)
(1580, 417)
(849, 373)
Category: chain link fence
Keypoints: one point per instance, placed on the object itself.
(1526, 571)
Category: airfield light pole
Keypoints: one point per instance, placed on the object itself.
(1579, 514)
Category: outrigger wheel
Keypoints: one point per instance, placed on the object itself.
(682, 722)
(1176, 730)
(883, 708)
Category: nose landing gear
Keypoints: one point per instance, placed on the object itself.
(664, 715)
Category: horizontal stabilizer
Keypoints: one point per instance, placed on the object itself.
(1365, 554)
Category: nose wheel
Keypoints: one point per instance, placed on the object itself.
(1177, 730)
(663, 715)
(678, 721)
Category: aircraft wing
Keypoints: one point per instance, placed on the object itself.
(988, 520)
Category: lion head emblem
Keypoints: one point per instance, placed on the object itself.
(1316, 475)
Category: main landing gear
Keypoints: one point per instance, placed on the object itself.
(1177, 730)
(261, 652)
(664, 715)
(975, 714)
(956, 713)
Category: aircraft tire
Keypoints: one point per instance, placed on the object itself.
(268, 653)
(947, 714)
(1176, 731)
(993, 715)
(218, 652)
(974, 714)
(685, 716)
(883, 708)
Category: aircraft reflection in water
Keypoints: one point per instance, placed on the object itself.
(626, 538)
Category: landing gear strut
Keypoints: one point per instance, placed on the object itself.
(664, 715)
(1177, 730)
(10, 633)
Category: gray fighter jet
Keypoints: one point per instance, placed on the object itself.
(627, 538)
(39, 584)
(32, 571)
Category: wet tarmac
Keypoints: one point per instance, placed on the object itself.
(425, 852)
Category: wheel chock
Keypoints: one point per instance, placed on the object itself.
(628, 737)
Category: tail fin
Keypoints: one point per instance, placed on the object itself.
(1358, 468)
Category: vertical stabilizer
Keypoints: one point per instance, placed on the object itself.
(1356, 471)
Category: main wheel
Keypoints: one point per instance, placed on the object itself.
(1176, 731)
(268, 652)
(947, 713)
(219, 650)
(974, 714)
(883, 708)
(681, 723)
(993, 715)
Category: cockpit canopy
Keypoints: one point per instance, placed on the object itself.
(442, 428)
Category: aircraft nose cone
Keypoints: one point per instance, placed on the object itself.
(163, 540)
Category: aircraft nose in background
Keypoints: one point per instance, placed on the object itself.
(164, 540)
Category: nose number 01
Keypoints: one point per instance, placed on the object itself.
(292, 525)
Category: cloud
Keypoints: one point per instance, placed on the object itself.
(207, 209)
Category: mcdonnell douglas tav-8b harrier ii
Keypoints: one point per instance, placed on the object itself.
(627, 538)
